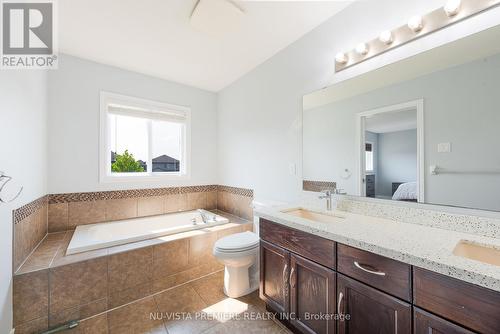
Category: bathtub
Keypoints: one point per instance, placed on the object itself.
(102, 235)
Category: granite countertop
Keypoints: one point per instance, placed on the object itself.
(422, 246)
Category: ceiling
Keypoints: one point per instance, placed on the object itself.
(157, 37)
(392, 121)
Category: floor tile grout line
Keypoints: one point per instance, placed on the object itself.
(149, 296)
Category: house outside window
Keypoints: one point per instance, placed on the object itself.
(142, 139)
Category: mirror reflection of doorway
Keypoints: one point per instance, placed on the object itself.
(391, 157)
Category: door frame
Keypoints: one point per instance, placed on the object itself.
(418, 105)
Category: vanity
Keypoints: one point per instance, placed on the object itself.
(318, 285)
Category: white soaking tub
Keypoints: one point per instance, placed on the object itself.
(107, 234)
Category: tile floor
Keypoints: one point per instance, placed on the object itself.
(202, 302)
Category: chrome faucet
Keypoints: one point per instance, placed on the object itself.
(328, 195)
(206, 217)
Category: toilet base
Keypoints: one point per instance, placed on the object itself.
(238, 281)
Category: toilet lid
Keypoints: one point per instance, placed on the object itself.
(237, 242)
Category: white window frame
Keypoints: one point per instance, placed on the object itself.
(373, 158)
(145, 106)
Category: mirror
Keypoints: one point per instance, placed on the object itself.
(425, 129)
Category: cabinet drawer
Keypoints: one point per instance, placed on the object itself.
(425, 323)
(469, 305)
(311, 247)
(380, 272)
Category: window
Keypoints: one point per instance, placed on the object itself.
(142, 139)
(369, 157)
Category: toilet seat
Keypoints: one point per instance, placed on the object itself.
(236, 243)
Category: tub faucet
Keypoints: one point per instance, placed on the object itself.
(205, 216)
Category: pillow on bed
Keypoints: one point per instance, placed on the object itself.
(406, 191)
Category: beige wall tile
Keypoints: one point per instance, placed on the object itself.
(172, 203)
(230, 229)
(244, 205)
(58, 217)
(129, 269)
(81, 213)
(196, 200)
(34, 326)
(200, 248)
(21, 246)
(170, 258)
(163, 283)
(222, 201)
(78, 283)
(121, 297)
(211, 200)
(30, 296)
(149, 206)
(117, 209)
(135, 318)
(43, 255)
(78, 312)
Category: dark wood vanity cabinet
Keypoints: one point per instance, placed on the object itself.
(313, 281)
(427, 323)
(369, 310)
(312, 296)
(274, 275)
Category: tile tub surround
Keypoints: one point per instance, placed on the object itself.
(422, 246)
(30, 227)
(66, 211)
(83, 285)
(210, 310)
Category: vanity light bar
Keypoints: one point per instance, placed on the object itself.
(417, 27)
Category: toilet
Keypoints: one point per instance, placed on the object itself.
(239, 253)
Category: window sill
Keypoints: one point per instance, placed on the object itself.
(143, 178)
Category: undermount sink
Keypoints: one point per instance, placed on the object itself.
(478, 252)
(315, 216)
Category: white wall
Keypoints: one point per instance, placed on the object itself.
(397, 160)
(23, 120)
(259, 120)
(74, 123)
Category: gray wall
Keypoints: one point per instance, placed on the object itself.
(23, 155)
(397, 160)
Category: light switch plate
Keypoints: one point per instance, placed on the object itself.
(444, 147)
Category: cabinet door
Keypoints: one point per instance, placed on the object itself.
(312, 296)
(274, 275)
(426, 323)
(369, 310)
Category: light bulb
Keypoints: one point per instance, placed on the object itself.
(452, 7)
(386, 37)
(341, 58)
(362, 49)
(416, 23)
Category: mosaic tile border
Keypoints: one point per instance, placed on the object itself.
(236, 191)
(27, 210)
(318, 186)
(136, 193)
